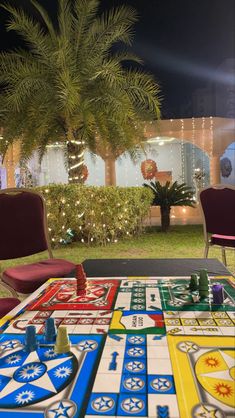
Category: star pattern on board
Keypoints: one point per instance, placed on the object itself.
(136, 339)
(32, 371)
(188, 347)
(135, 366)
(136, 352)
(103, 404)
(61, 411)
(132, 405)
(207, 411)
(161, 384)
(133, 383)
(10, 344)
(87, 345)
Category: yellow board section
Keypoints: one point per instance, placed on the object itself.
(5, 319)
(204, 372)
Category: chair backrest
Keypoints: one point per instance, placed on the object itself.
(23, 224)
(218, 206)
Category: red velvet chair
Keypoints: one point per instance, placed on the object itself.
(218, 209)
(24, 231)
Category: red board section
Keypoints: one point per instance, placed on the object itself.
(62, 295)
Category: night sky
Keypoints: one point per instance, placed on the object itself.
(182, 42)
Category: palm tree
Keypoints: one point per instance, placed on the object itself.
(69, 85)
(169, 195)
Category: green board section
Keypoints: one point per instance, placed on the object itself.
(177, 296)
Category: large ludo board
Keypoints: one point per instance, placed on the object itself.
(140, 347)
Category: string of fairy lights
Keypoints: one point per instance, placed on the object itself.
(203, 128)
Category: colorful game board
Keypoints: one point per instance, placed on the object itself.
(140, 347)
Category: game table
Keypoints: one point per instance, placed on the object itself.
(140, 347)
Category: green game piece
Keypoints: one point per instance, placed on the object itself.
(62, 344)
(203, 283)
(193, 285)
(203, 277)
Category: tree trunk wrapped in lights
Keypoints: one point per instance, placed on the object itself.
(75, 153)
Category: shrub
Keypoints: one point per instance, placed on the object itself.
(94, 214)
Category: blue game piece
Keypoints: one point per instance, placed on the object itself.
(50, 330)
(31, 343)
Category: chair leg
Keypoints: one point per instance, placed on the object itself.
(206, 250)
(224, 256)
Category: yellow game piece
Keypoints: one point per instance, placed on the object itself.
(62, 344)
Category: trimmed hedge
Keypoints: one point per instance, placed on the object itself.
(94, 214)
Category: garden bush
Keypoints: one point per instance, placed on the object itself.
(94, 214)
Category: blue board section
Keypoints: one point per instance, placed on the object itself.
(30, 382)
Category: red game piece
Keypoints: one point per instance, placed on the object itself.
(81, 280)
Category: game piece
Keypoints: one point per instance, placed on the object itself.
(193, 285)
(62, 341)
(203, 283)
(50, 330)
(81, 280)
(218, 294)
(31, 343)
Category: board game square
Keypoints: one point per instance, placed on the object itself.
(219, 314)
(231, 315)
(102, 403)
(175, 330)
(105, 314)
(109, 350)
(207, 322)
(157, 340)
(193, 330)
(129, 405)
(82, 329)
(134, 366)
(136, 339)
(211, 330)
(159, 366)
(202, 314)
(227, 331)
(102, 321)
(107, 383)
(172, 322)
(37, 321)
(135, 351)
(70, 321)
(189, 321)
(43, 314)
(99, 329)
(105, 366)
(187, 314)
(86, 321)
(166, 405)
(224, 322)
(158, 352)
(57, 313)
(133, 384)
(116, 340)
(160, 383)
(171, 314)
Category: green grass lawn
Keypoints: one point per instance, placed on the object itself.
(180, 242)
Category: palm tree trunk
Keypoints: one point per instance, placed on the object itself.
(165, 218)
(75, 153)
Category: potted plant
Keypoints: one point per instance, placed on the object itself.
(169, 195)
